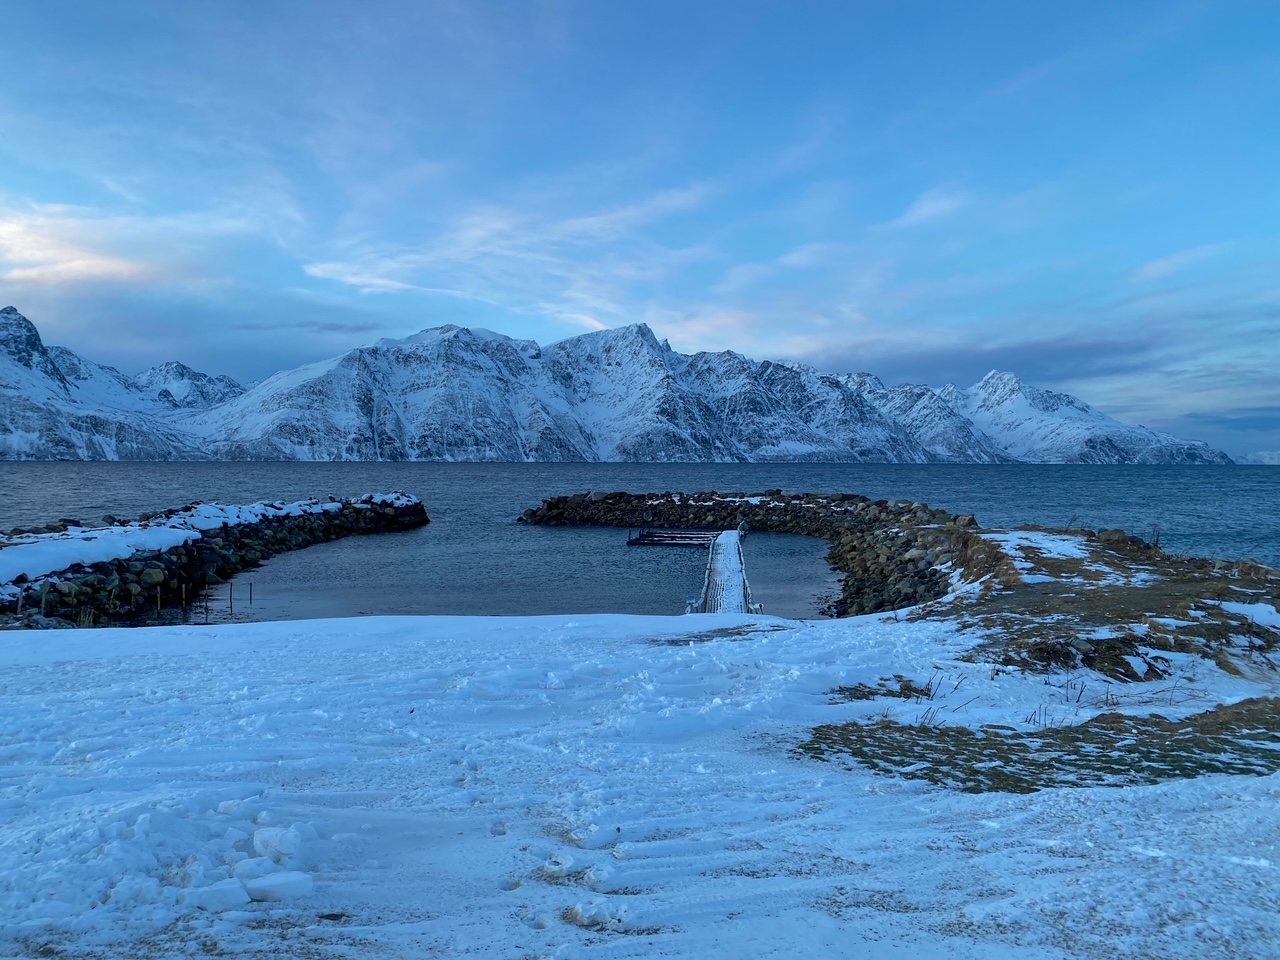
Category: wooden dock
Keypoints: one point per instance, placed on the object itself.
(725, 589)
(671, 538)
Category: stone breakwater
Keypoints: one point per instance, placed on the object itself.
(895, 554)
(133, 587)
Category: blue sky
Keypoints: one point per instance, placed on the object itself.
(1087, 194)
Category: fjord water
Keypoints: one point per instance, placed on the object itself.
(474, 559)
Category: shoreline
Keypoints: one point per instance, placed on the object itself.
(118, 572)
(893, 554)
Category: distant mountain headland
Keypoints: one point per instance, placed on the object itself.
(452, 393)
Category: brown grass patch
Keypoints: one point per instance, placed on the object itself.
(1111, 749)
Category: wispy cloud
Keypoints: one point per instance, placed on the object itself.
(581, 270)
(57, 244)
(43, 247)
(355, 277)
(810, 255)
(1165, 267)
(928, 207)
(741, 277)
(615, 223)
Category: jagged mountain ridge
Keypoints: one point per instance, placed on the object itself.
(451, 393)
(177, 385)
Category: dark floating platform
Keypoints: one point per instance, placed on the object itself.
(672, 538)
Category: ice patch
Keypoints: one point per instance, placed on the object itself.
(279, 886)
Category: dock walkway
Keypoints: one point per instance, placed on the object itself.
(726, 589)
(726, 575)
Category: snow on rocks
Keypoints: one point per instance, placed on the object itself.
(651, 801)
(92, 574)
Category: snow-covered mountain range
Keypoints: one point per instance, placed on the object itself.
(452, 393)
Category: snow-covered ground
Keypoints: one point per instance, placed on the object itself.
(596, 786)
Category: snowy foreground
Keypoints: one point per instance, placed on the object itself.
(598, 786)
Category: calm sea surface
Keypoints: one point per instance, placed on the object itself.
(474, 559)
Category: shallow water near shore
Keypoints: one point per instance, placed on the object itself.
(474, 559)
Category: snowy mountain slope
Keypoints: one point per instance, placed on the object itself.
(100, 385)
(614, 395)
(774, 411)
(451, 393)
(55, 405)
(177, 385)
(1262, 458)
(931, 421)
(1047, 427)
(620, 386)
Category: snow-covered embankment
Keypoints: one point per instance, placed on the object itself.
(98, 574)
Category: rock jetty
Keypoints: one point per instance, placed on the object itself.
(207, 544)
(895, 554)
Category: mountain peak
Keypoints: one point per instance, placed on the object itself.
(1000, 378)
(999, 387)
(642, 331)
(170, 368)
(20, 341)
(12, 323)
(442, 332)
(864, 381)
(177, 385)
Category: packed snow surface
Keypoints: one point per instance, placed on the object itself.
(597, 786)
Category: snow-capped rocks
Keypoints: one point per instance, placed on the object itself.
(1047, 427)
(110, 573)
(452, 393)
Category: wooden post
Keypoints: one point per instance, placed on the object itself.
(231, 598)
